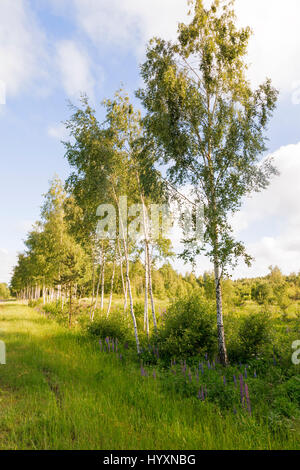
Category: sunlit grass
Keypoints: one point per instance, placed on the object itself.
(57, 391)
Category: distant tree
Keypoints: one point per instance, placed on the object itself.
(4, 291)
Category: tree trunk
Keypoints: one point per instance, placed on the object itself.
(127, 276)
(70, 307)
(93, 286)
(122, 276)
(220, 324)
(150, 288)
(97, 293)
(102, 282)
(146, 316)
(111, 288)
(148, 257)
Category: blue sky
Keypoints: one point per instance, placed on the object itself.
(51, 50)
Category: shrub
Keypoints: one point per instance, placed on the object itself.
(115, 326)
(254, 336)
(188, 329)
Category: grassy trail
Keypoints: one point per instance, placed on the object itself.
(57, 391)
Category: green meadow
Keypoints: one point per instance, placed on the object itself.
(59, 391)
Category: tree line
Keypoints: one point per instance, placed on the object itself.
(203, 126)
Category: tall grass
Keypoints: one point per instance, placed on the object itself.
(58, 391)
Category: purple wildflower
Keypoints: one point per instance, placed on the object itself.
(154, 374)
(246, 375)
(101, 346)
(241, 387)
(255, 374)
(234, 379)
(248, 398)
(224, 380)
(190, 375)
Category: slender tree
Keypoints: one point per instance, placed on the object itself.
(209, 125)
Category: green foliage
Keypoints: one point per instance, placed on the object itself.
(262, 292)
(255, 334)
(188, 329)
(4, 291)
(115, 326)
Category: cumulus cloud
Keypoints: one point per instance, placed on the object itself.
(273, 49)
(21, 46)
(268, 222)
(75, 69)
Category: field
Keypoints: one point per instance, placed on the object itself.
(59, 391)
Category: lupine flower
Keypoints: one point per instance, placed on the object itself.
(214, 365)
(205, 391)
(224, 380)
(208, 364)
(101, 346)
(246, 376)
(248, 398)
(234, 379)
(121, 357)
(234, 410)
(154, 374)
(274, 361)
(143, 372)
(255, 374)
(113, 345)
(206, 356)
(202, 393)
(241, 387)
(199, 394)
(190, 375)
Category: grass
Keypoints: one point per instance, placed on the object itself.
(58, 391)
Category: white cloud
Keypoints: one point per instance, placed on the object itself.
(278, 206)
(7, 262)
(268, 223)
(129, 23)
(273, 49)
(21, 46)
(58, 132)
(75, 69)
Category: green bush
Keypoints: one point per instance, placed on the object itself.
(189, 329)
(254, 336)
(115, 326)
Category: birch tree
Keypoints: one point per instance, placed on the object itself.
(209, 125)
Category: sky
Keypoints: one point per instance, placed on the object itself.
(53, 50)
